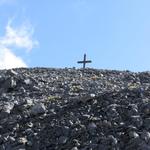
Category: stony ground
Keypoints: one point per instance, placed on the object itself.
(68, 109)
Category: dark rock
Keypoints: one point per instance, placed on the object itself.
(65, 130)
(147, 123)
(146, 109)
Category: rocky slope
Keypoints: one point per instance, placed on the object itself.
(69, 109)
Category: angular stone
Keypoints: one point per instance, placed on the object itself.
(38, 109)
(113, 140)
(65, 130)
(74, 148)
(146, 109)
(28, 81)
(137, 121)
(5, 110)
(22, 140)
(63, 139)
(9, 84)
(133, 134)
(145, 135)
(147, 123)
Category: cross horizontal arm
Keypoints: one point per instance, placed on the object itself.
(87, 61)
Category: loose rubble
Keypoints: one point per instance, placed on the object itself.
(74, 109)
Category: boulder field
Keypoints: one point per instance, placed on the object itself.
(74, 109)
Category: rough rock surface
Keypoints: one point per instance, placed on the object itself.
(69, 109)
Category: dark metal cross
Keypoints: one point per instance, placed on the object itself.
(84, 62)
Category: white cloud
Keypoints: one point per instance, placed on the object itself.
(20, 37)
(8, 60)
(15, 38)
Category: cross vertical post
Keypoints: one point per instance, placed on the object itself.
(84, 61)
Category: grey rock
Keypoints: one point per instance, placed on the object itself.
(63, 139)
(1, 139)
(38, 109)
(112, 140)
(12, 72)
(22, 140)
(76, 142)
(9, 84)
(92, 126)
(146, 109)
(19, 147)
(147, 123)
(27, 81)
(137, 121)
(74, 148)
(133, 134)
(29, 143)
(65, 130)
(12, 139)
(144, 147)
(29, 132)
(5, 110)
(133, 109)
(145, 135)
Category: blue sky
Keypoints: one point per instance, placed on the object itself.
(115, 34)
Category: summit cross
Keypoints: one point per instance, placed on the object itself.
(84, 62)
